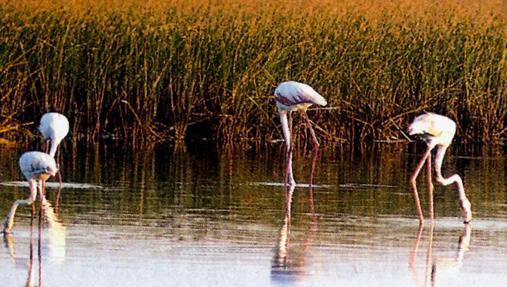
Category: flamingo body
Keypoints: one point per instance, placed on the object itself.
(54, 127)
(294, 96)
(437, 131)
(34, 164)
(434, 129)
(37, 167)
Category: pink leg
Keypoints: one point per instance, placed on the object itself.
(414, 186)
(59, 176)
(430, 186)
(312, 132)
(286, 121)
(289, 176)
(58, 165)
(291, 132)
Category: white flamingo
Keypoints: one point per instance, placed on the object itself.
(37, 167)
(54, 127)
(294, 96)
(437, 131)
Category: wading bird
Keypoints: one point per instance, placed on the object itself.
(37, 167)
(294, 96)
(437, 131)
(54, 127)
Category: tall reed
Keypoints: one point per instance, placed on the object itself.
(172, 70)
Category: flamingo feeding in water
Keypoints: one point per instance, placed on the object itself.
(54, 127)
(37, 167)
(293, 96)
(437, 131)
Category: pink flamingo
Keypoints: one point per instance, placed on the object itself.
(37, 167)
(437, 131)
(294, 96)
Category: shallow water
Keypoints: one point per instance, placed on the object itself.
(201, 218)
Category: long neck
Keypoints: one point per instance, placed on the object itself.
(54, 146)
(33, 183)
(285, 128)
(439, 158)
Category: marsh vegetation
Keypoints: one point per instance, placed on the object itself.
(175, 70)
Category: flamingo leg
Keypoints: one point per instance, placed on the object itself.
(312, 132)
(430, 186)
(286, 121)
(414, 185)
(464, 202)
(58, 172)
(291, 150)
(8, 222)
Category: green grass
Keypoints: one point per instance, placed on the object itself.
(165, 73)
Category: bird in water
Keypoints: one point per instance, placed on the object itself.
(54, 127)
(436, 131)
(293, 96)
(37, 167)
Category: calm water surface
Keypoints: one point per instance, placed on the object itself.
(200, 218)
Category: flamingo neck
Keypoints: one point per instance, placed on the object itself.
(54, 146)
(33, 183)
(285, 128)
(439, 158)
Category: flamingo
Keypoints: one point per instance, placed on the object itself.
(293, 96)
(437, 131)
(54, 127)
(37, 167)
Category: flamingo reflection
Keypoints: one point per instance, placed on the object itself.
(441, 264)
(288, 261)
(54, 245)
(281, 258)
(436, 265)
(55, 231)
(9, 243)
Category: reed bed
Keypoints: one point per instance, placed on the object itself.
(175, 70)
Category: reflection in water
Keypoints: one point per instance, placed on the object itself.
(55, 244)
(9, 243)
(56, 232)
(280, 265)
(194, 215)
(439, 263)
(289, 263)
